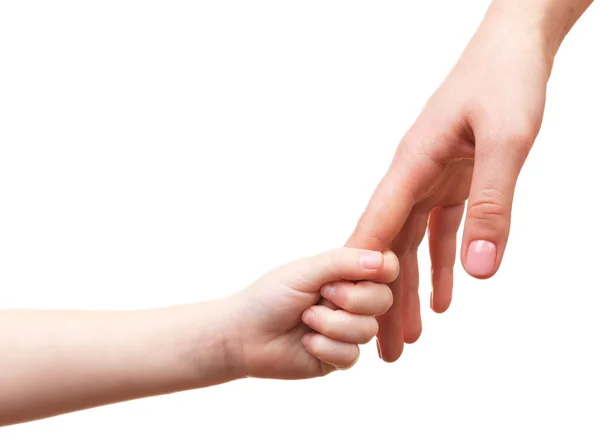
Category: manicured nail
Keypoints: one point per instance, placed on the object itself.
(328, 292)
(308, 316)
(371, 260)
(481, 258)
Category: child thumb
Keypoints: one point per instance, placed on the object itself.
(310, 273)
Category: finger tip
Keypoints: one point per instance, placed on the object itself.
(412, 336)
(390, 356)
(440, 309)
(306, 340)
(475, 272)
(438, 304)
(390, 256)
(479, 276)
(481, 259)
(392, 262)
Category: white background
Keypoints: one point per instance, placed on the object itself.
(154, 153)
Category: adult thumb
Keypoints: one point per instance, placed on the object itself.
(487, 225)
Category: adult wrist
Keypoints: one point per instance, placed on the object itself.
(546, 21)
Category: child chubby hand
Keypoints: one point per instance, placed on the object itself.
(285, 333)
(53, 362)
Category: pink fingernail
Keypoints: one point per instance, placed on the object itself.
(308, 316)
(306, 339)
(371, 260)
(328, 292)
(481, 258)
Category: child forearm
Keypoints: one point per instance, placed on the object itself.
(53, 362)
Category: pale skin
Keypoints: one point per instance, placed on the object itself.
(54, 362)
(468, 144)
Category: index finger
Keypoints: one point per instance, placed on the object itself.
(392, 202)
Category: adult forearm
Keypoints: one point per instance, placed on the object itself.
(53, 362)
(551, 20)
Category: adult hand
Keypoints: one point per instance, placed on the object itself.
(469, 142)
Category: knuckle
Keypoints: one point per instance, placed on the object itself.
(487, 205)
(442, 268)
(415, 141)
(366, 236)
(523, 130)
(485, 211)
(514, 135)
(410, 292)
(488, 214)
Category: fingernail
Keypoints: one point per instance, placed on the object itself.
(306, 339)
(328, 291)
(481, 258)
(378, 348)
(308, 316)
(371, 260)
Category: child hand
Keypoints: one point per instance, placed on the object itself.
(273, 329)
(283, 332)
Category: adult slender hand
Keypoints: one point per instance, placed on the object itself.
(469, 143)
